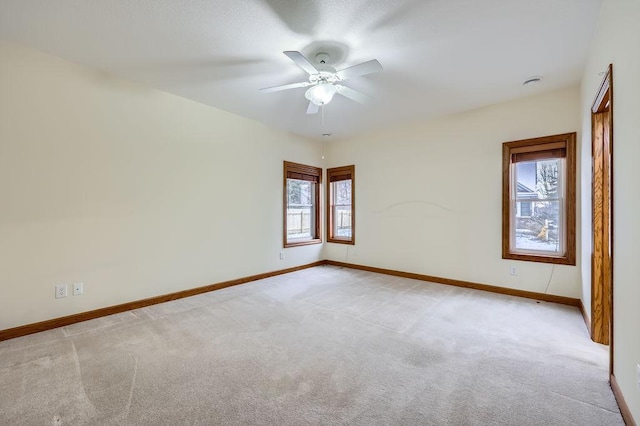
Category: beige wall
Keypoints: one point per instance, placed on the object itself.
(128, 190)
(428, 195)
(617, 41)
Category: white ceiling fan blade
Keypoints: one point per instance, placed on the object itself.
(284, 87)
(364, 68)
(354, 95)
(312, 108)
(301, 61)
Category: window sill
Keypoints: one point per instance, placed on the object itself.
(557, 260)
(338, 241)
(302, 243)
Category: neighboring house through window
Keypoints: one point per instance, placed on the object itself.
(525, 208)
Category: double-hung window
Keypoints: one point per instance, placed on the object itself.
(301, 204)
(538, 199)
(340, 205)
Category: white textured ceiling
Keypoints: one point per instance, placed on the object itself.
(439, 56)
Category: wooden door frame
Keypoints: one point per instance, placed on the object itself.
(602, 319)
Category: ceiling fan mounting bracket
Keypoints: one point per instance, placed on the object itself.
(336, 52)
(323, 58)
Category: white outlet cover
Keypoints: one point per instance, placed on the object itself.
(61, 291)
(638, 371)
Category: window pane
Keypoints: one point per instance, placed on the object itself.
(300, 209)
(538, 201)
(343, 192)
(342, 221)
(541, 231)
(341, 208)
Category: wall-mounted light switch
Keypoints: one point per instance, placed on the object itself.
(78, 289)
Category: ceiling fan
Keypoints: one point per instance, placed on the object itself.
(324, 80)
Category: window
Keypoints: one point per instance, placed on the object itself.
(340, 205)
(524, 209)
(538, 199)
(301, 204)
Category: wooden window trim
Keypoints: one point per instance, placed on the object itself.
(308, 173)
(334, 175)
(509, 149)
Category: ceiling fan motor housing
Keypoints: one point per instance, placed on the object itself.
(328, 76)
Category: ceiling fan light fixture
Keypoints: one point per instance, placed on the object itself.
(321, 93)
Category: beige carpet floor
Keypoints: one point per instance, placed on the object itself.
(322, 346)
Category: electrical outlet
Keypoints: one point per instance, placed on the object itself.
(281, 254)
(61, 291)
(638, 371)
(513, 271)
(78, 289)
(353, 250)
